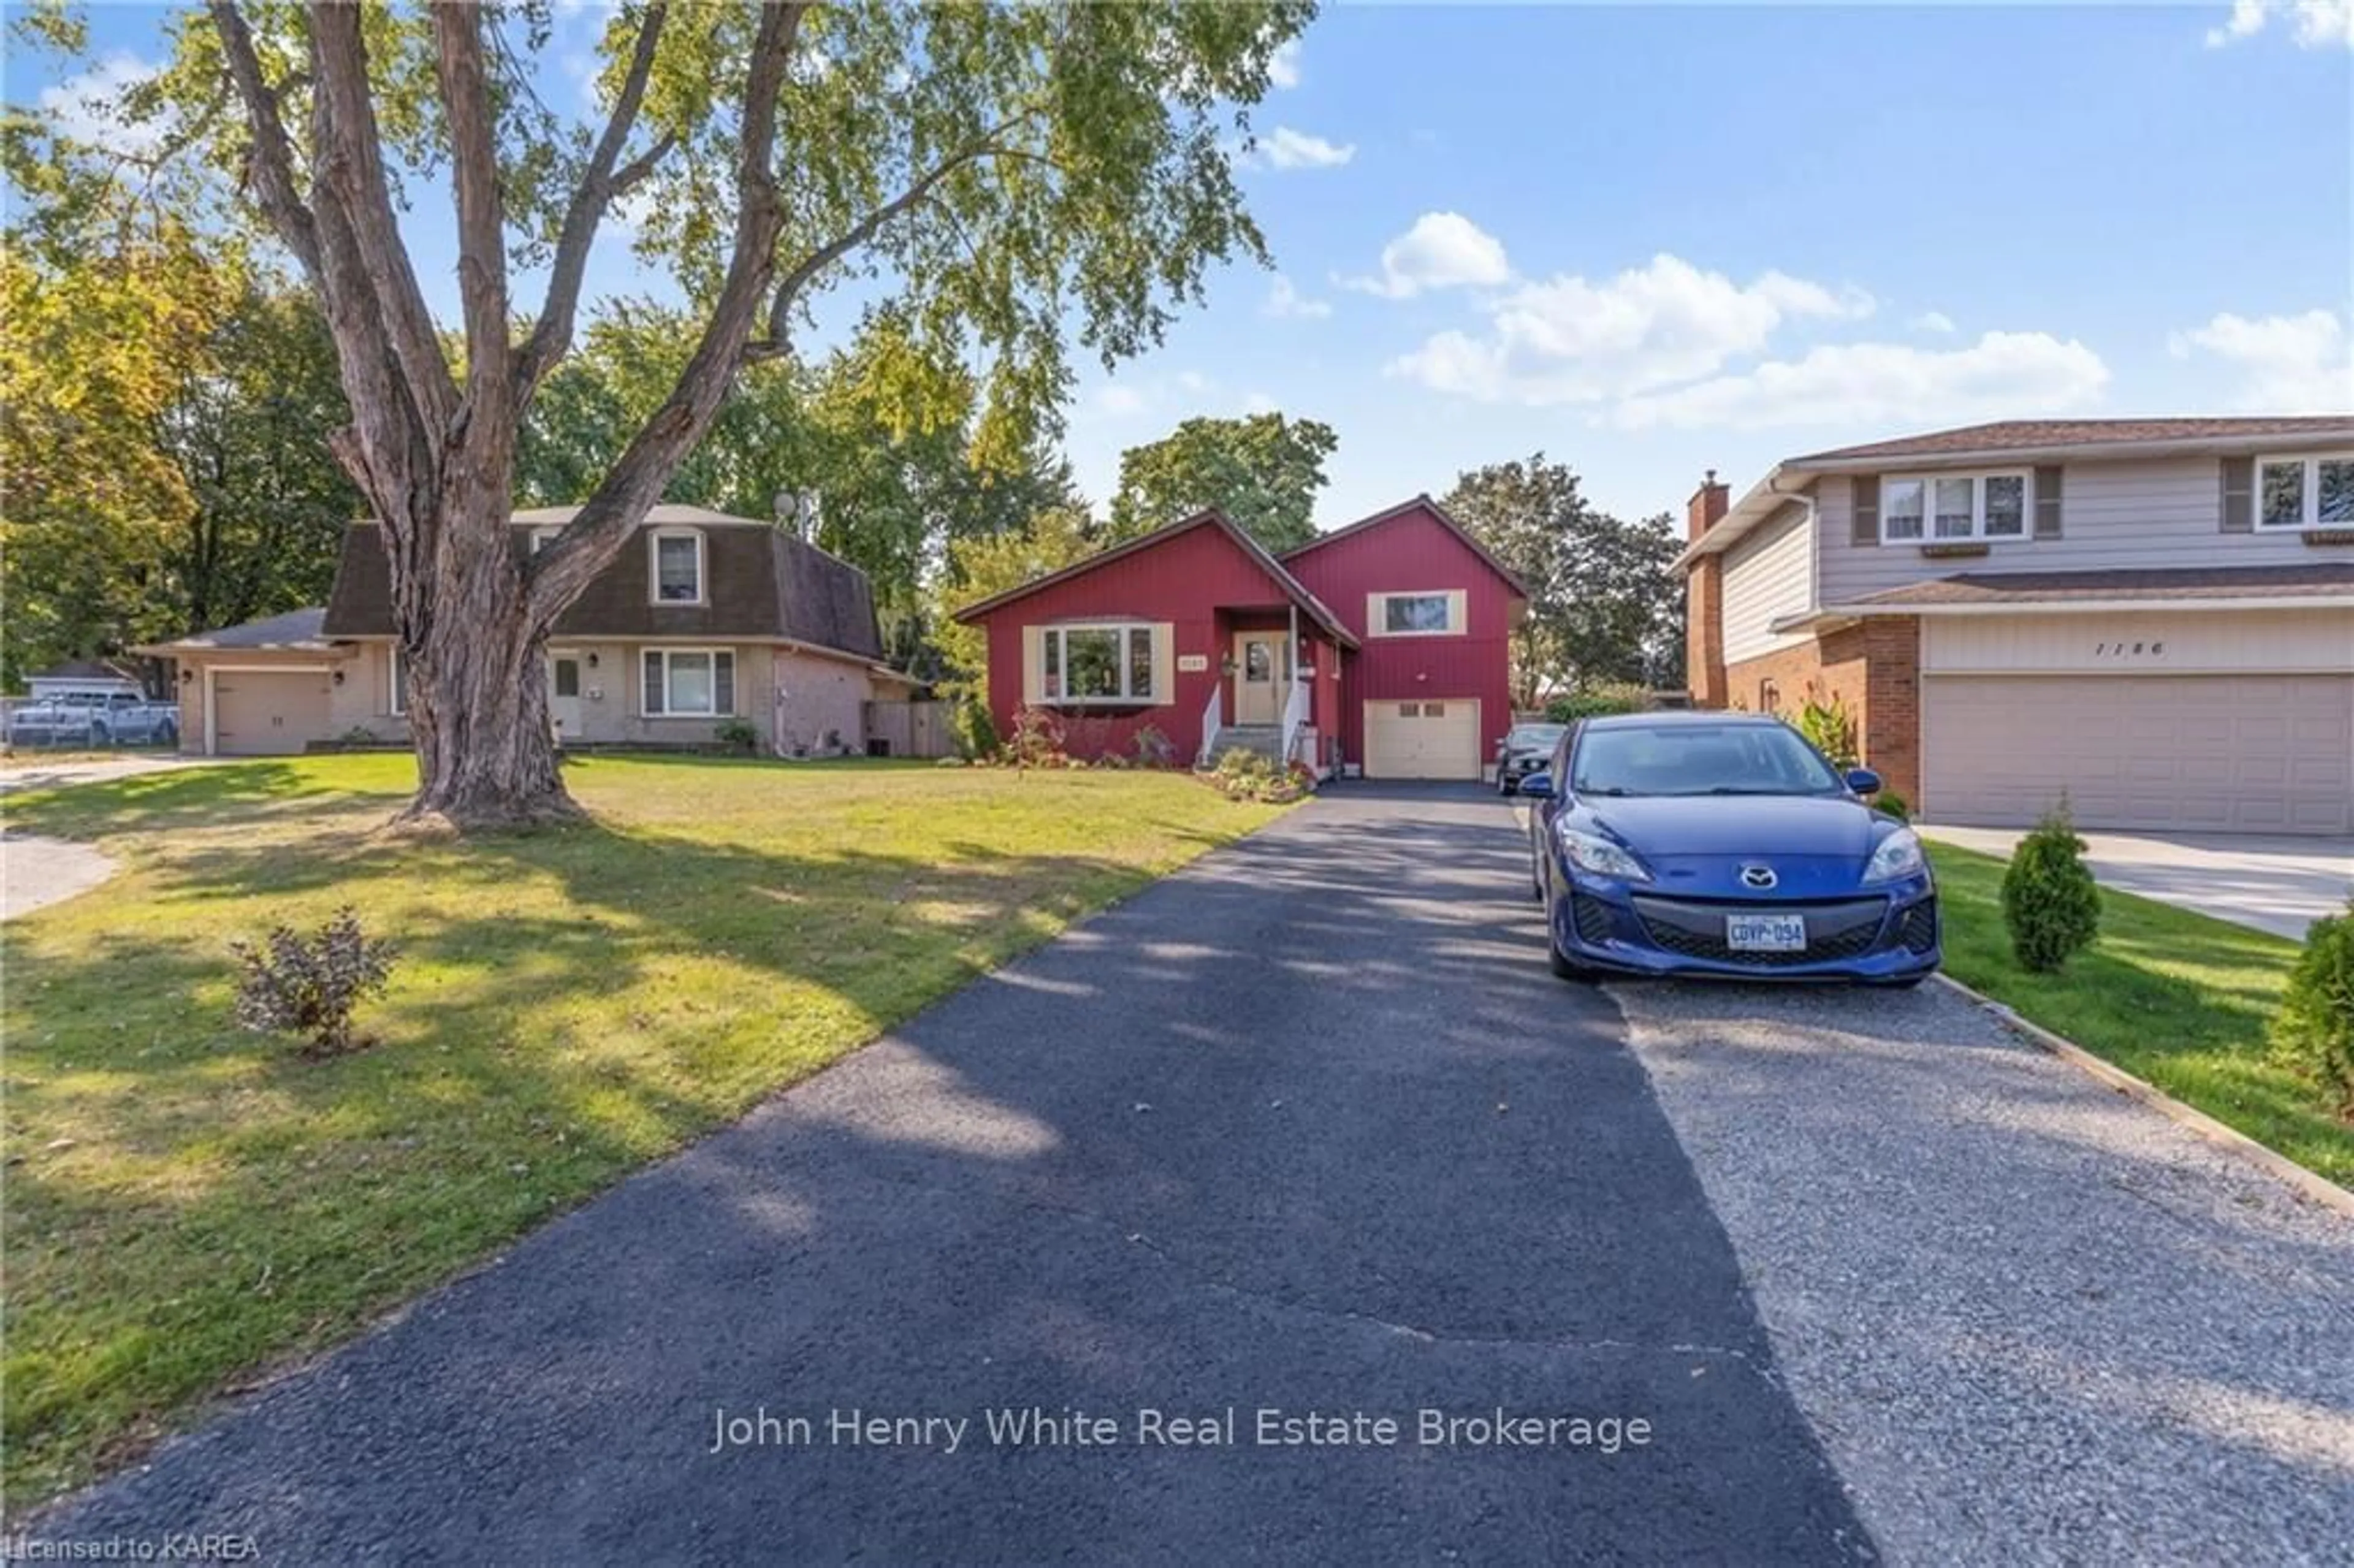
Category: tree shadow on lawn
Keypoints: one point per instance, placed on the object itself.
(269, 794)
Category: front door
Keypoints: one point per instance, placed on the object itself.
(563, 693)
(1262, 669)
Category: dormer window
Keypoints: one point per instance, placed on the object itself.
(2305, 491)
(678, 565)
(1946, 508)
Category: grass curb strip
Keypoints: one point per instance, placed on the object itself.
(2311, 1184)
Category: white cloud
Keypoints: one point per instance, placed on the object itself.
(1283, 66)
(2286, 364)
(1283, 299)
(1116, 399)
(88, 108)
(1442, 250)
(1285, 148)
(1933, 321)
(1259, 402)
(1883, 384)
(1194, 382)
(1568, 340)
(2315, 24)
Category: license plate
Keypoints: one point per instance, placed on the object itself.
(1765, 933)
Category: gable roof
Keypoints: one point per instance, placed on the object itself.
(297, 630)
(1422, 503)
(765, 586)
(1291, 587)
(2013, 435)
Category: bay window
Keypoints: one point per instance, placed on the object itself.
(2305, 491)
(1954, 508)
(689, 683)
(1099, 664)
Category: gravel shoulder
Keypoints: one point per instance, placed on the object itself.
(2030, 1319)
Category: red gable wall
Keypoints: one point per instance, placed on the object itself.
(1414, 552)
(1184, 579)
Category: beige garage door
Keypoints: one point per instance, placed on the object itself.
(1422, 739)
(266, 713)
(2212, 753)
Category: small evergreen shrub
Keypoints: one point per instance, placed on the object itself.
(1895, 805)
(736, 734)
(2049, 904)
(2313, 1032)
(293, 985)
(973, 732)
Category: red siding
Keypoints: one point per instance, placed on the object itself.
(1414, 552)
(1187, 579)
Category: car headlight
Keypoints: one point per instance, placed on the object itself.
(1899, 855)
(1591, 852)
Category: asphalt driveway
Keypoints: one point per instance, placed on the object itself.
(1305, 1127)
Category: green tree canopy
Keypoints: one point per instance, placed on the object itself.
(1605, 605)
(1263, 472)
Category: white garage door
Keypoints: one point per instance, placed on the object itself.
(2214, 753)
(267, 713)
(1422, 739)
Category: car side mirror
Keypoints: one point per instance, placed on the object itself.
(1537, 786)
(1863, 780)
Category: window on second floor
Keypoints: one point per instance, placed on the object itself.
(1436, 613)
(1951, 508)
(2305, 491)
(678, 565)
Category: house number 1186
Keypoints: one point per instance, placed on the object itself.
(2125, 650)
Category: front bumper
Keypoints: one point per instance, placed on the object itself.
(1882, 934)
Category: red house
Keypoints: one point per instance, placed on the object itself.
(1381, 647)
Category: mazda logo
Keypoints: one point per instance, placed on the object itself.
(1757, 876)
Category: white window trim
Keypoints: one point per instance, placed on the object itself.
(541, 538)
(1377, 623)
(667, 712)
(2311, 517)
(394, 684)
(1061, 664)
(654, 536)
(1977, 534)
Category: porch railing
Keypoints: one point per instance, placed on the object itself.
(1295, 719)
(1213, 720)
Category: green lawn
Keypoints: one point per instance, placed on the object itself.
(189, 1201)
(2172, 996)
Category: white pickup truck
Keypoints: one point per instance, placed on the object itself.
(95, 718)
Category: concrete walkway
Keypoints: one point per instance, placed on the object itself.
(28, 770)
(2279, 885)
(38, 870)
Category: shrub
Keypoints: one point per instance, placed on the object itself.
(1830, 729)
(2049, 902)
(2313, 1033)
(1593, 702)
(1895, 805)
(973, 732)
(1036, 740)
(309, 987)
(736, 734)
(1242, 774)
(1152, 749)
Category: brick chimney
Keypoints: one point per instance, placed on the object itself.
(1707, 507)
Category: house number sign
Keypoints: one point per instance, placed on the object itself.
(2141, 649)
(1192, 663)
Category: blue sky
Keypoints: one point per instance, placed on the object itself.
(1654, 240)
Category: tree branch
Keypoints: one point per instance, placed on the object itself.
(269, 164)
(558, 573)
(778, 342)
(599, 184)
(350, 160)
(465, 86)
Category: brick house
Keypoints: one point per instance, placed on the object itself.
(2153, 616)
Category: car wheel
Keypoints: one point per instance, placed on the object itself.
(168, 734)
(1562, 966)
(1503, 785)
(101, 735)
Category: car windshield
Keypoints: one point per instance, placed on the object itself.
(1534, 737)
(1700, 760)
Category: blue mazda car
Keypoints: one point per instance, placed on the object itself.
(1722, 845)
